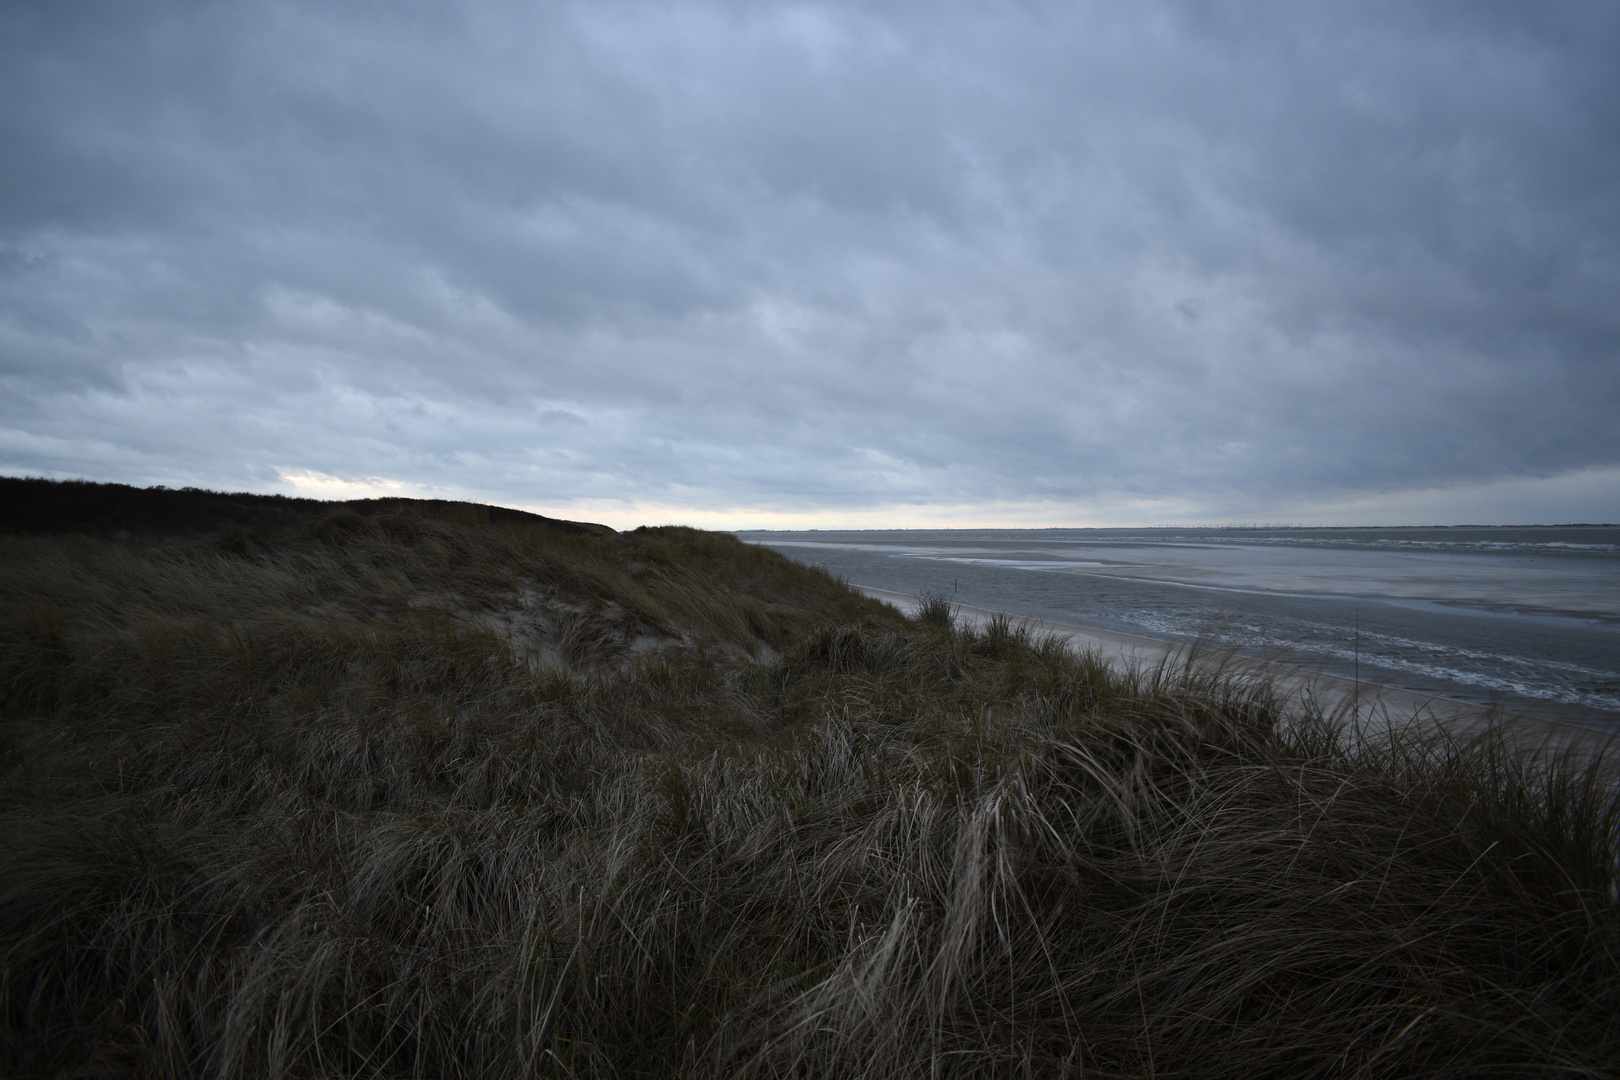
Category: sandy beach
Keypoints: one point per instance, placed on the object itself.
(1367, 704)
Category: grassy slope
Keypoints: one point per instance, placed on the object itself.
(285, 804)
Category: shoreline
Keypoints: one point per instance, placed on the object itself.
(1367, 705)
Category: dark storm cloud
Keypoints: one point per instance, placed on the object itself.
(813, 256)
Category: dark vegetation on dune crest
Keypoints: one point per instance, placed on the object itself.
(406, 790)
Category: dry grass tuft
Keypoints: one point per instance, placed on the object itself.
(305, 804)
(936, 609)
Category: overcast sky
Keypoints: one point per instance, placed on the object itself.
(882, 264)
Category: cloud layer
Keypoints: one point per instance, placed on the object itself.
(1054, 263)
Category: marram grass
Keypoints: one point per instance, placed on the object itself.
(415, 798)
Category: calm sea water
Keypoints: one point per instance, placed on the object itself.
(1526, 618)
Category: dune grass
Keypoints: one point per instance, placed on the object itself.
(403, 796)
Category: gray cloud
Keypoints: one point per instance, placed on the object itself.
(813, 256)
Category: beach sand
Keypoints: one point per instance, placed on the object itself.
(1366, 705)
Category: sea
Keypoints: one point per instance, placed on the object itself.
(1526, 619)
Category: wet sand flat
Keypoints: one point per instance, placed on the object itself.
(1365, 704)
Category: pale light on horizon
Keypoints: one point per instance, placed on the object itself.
(1556, 500)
